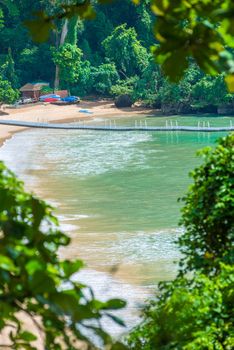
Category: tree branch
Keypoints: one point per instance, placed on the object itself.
(32, 317)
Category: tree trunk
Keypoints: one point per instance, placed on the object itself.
(64, 32)
(61, 42)
(56, 80)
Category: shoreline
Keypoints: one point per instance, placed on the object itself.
(60, 114)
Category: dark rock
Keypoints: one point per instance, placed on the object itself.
(226, 109)
(207, 109)
(185, 109)
(123, 101)
(169, 108)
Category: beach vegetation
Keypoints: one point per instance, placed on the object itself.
(8, 95)
(189, 314)
(104, 77)
(207, 215)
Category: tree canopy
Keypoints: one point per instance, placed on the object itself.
(90, 51)
(183, 29)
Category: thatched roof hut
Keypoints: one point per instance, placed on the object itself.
(32, 90)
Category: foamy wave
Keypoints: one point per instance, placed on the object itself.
(70, 217)
(97, 154)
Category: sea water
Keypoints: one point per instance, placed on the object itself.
(116, 197)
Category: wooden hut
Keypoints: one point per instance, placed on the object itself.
(61, 93)
(32, 90)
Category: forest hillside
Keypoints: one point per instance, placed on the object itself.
(105, 57)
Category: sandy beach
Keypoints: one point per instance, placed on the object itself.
(52, 113)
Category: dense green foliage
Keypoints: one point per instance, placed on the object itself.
(123, 48)
(109, 55)
(36, 282)
(183, 29)
(8, 79)
(192, 314)
(7, 93)
(68, 58)
(209, 211)
(199, 29)
(195, 311)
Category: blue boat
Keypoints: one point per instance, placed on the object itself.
(43, 97)
(71, 99)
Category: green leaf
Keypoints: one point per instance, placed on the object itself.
(41, 283)
(180, 57)
(40, 27)
(70, 267)
(27, 336)
(34, 265)
(102, 334)
(64, 303)
(7, 264)
(116, 319)
(39, 211)
(115, 304)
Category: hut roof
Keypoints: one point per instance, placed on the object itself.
(33, 87)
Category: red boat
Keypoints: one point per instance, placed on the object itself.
(51, 99)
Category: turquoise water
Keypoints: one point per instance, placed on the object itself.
(115, 194)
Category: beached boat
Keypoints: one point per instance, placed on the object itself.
(44, 98)
(51, 99)
(70, 100)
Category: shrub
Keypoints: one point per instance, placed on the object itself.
(190, 315)
(104, 76)
(209, 210)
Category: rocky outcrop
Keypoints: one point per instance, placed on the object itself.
(212, 109)
(226, 109)
(123, 101)
(176, 108)
(169, 108)
(185, 108)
